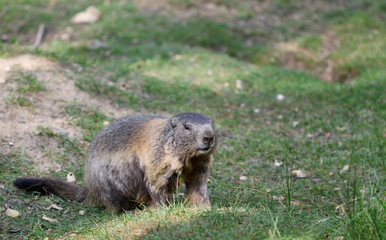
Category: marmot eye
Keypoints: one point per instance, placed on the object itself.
(186, 127)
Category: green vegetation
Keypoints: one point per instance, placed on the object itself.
(26, 84)
(89, 120)
(224, 59)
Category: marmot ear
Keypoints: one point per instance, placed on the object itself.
(173, 122)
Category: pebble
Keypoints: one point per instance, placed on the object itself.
(298, 174)
(344, 169)
(243, 178)
(91, 15)
(280, 97)
(70, 177)
(239, 84)
(12, 213)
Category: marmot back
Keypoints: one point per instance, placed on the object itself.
(138, 159)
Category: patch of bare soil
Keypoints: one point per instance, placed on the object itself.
(19, 125)
(318, 63)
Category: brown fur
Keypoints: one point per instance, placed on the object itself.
(138, 159)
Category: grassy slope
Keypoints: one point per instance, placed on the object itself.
(171, 66)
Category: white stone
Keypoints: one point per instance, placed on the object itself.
(280, 97)
(239, 84)
(71, 177)
(12, 213)
(91, 15)
(243, 178)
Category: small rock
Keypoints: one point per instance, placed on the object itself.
(12, 213)
(243, 178)
(2, 186)
(344, 169)
(280, 97)
(70, 177)
(278, 164)
(91, 15)
(295, 123)
(242, 105)
(239, 84)
(298, 174)
(256, 110)
(82, 212)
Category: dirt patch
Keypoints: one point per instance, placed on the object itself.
(19, 125)
(330, 43)
(319, 63)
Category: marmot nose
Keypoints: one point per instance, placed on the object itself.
(208, 138)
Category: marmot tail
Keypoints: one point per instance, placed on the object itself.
(63, 189)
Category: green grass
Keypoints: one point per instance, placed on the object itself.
(91, 121)
(26, 85)
(157, 63)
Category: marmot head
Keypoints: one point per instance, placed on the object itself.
(193, 134)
